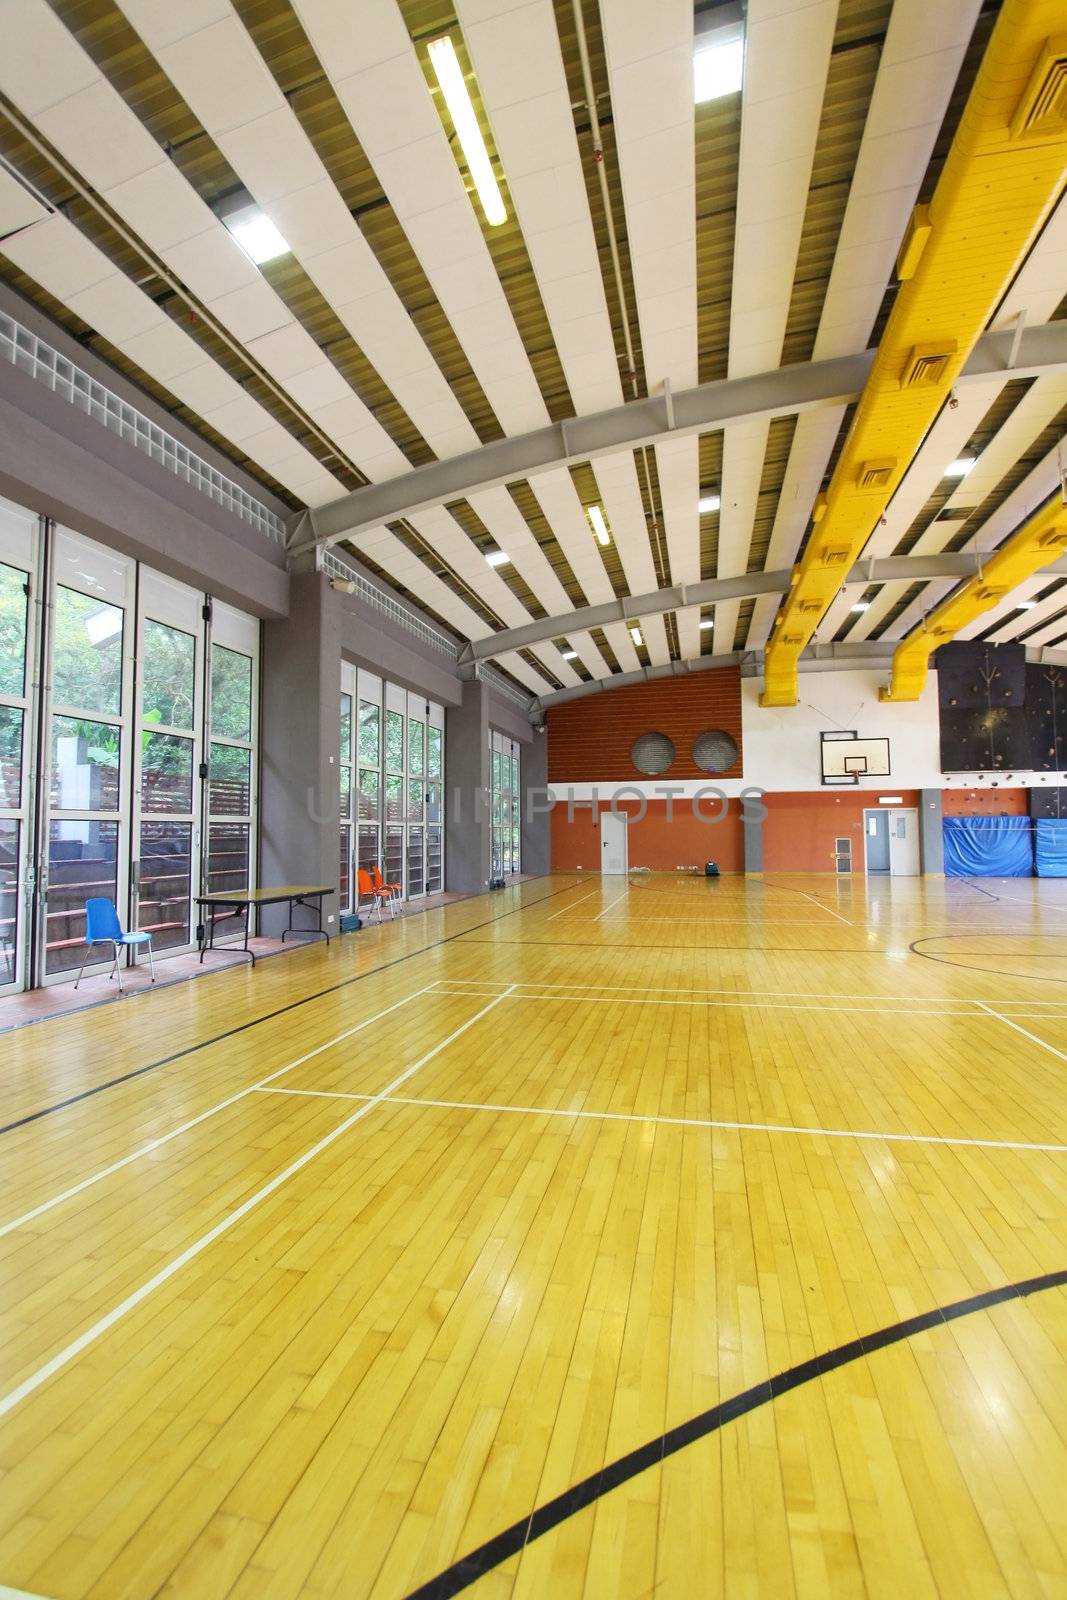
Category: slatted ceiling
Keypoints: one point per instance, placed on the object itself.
(1037, 451)
(718, 146)
(383, 554)
(1006, 622)
(526, 503)
(600, 639)
(620, 315)
(588, 492)
(775, 461)
(855, 57)
(537, 675)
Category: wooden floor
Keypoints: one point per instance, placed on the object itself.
(316, 1279)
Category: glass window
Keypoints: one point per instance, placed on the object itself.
(369, 734)
(10, 757)
(87, 659)
(85, 765)
(9, 898)
(369, 793)
(166, 772)
(346, 791)
(434, 752)
(394, 799)
(416, 797)
(346, 727)
(415, 746)
(344, 873)
(229, 781)
(415, 863)
(368, 848)
(393, 868)
(433, 803)
(394, 742)
(82, 863)
(433, 861)
(166, 877)
(168, 675)
(13, 604)
(227, 857)
(231, 693)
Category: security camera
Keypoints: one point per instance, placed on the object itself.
(343, 585)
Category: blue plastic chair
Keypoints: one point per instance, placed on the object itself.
(102, 926)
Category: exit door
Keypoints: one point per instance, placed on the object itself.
(613, 846)
(891, 838)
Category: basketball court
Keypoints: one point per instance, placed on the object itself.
(574, 1243)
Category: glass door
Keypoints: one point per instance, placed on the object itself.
(344, 879)
(88, 691)
(167, 753)
(435, 778)
(416, 798)
(19, 540)
(229, 860)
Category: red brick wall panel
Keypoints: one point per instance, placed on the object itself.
(589, 740)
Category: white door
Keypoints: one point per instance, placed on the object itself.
(904, 844)
(612, 843)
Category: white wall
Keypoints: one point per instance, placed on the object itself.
(782, 745)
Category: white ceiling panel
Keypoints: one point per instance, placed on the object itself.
(111, 143)
(519, 67)
(18, 208)
(231, 88)
(117, 309)
(166, 351)
(39, 59)
(61, 259)
(160, 206)
(211, 264)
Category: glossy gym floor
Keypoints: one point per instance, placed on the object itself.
(595, 1238)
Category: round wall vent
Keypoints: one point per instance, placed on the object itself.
(652, 753)
(715, 751)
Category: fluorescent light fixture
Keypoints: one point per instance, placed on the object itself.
(600, 527)
(718, 54)
(256, 234)
(706, 624)
(449, 74)
(635, 635)
(890, 799)
(960, 467)
(862, 605)
(1026, 605)
(570, 655)
(708, 502)
(497, 558)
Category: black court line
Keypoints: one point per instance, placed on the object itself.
(268, 1016)
(513, 1540)
(996, 972)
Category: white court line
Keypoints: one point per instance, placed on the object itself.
(15, 1396)
(1051, 1048)
(689, 1122)
(891, 1008)
(165, 1138)
(563, 912)
(820, 905)
(612, 906)
(809, 994)
(18, 1594)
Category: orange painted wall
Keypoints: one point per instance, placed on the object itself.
(653, 841)
(589, 740)
(799, 833)
(984, 803)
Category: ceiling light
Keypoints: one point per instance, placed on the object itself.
(449, 73)
(256, 234)
(708, 502)
(706, 624)
(570, 655)
(960, 467)
(862, 605)
(1026, 605)
(635, 635)
(600, 527)
(718, 54)
(497, 558)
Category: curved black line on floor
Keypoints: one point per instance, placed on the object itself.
(996, 972)
(512, 1540)
(268, 1016)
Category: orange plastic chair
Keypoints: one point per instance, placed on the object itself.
(394, 889)
(368, 891)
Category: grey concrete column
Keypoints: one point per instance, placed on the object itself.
(299, 799)
(752, 829)
(467, 776)
(533, 772)
(931, 834)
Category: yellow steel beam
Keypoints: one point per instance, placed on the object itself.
(1004, 173)
(1037, 543)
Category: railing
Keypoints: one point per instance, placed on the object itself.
(389, 607)
(504, 686)
(32, 354)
